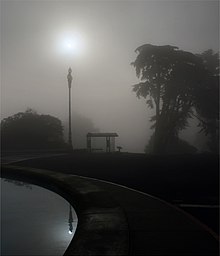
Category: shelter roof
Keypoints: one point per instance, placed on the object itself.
(101, 134)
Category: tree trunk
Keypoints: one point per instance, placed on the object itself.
(157, 136)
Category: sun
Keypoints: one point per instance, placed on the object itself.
(72, 44)
(69, 46)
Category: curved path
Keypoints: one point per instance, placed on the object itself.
(115, 220)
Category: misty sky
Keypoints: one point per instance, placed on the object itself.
(34, 65)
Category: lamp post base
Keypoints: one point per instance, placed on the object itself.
(70, 148)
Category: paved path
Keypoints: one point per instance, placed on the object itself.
(114, 220)
(15, 158)
(158, 228)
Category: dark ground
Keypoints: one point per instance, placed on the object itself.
(191, 179)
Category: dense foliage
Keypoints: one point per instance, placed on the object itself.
(176, 83)
(29, 130)
(207, 101)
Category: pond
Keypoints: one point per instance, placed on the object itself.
(34, 220)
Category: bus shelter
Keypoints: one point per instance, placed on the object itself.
(109, 137)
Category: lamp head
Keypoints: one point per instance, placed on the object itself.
(69, 77)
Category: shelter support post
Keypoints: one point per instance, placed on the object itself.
(89, 144)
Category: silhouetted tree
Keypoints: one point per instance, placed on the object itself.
(207, 101)
(29, 130)
(169, 80)
(178, 146)
(19, 183)
(211, 61)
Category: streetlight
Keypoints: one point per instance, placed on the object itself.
(70, 221)
(71, 44)
(69, 79)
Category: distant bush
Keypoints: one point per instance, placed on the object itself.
(29, 130)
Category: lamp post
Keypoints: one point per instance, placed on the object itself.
(70, 221)
(69, 79)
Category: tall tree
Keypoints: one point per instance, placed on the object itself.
(207, 101)
(168, 77)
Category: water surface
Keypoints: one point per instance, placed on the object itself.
(34, 220)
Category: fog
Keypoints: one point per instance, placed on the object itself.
(34, 66)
